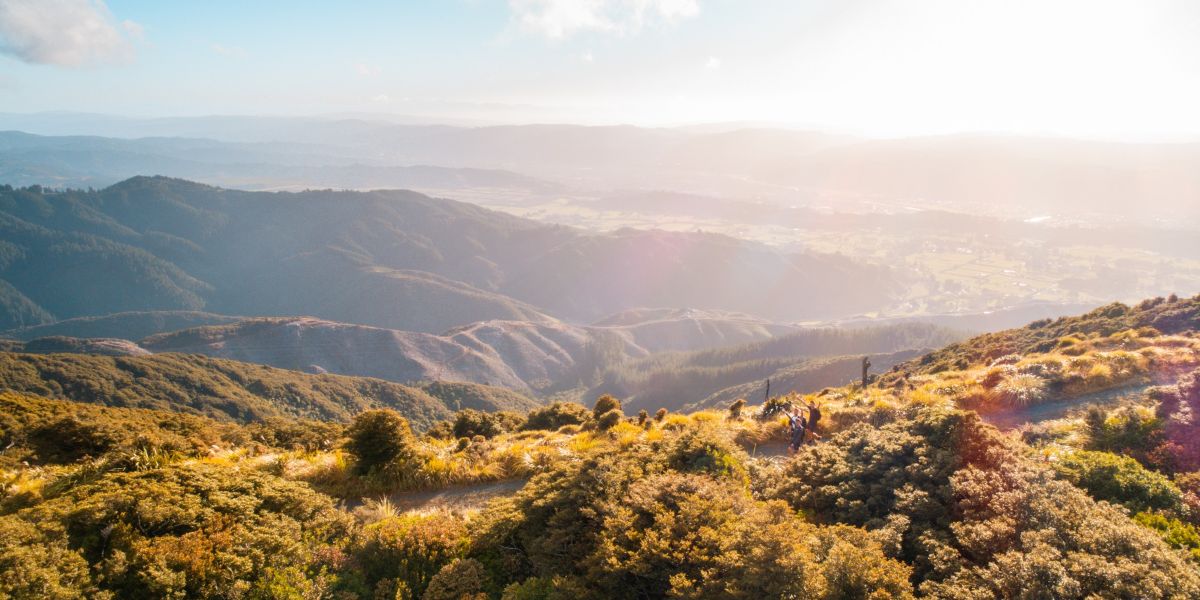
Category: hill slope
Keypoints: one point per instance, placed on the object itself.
(519, 355)
(229, 390)
(387, 258)
(125, 325)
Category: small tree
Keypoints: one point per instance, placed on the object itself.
(735, 409)
(378, 437)
(609, 419)
(604, 404)
(643, 416)
(660, 415)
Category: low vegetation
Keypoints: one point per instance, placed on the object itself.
(908, 492)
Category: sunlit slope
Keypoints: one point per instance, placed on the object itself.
(232, 390)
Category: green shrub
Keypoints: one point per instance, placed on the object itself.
(470, 423)
(378, 438)
(462, 579)
(556, 415)
(1120, 480)
(406, 552)
(701, 451)
(735, 409)
(605, 404)
(1173, 531)
(610, 419)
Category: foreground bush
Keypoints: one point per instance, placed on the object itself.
(975, 519)
(196, 532)
(648, 523)
(1120, 480)
(377, 438)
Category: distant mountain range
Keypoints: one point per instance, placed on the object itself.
(969, 172)
(390, 259)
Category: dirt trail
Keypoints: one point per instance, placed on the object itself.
(1048, 411)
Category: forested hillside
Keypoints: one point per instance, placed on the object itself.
(374, 257)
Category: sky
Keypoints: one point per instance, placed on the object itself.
(1101, 68)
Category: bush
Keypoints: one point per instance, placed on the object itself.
(1022, 389)
(660, 414)
(1120, 480)
(405, 553)
(605, 404)
(686, 536)
(296, 434)
(69, 439)
(185, 531)
(470, 423)
(1174, 532)
(378, 438)
(463, 579)
(610, 419)
(701, 451)
(555, 416)
(776, 406)
(735, 409)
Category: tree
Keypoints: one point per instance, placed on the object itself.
(735, 409)
(604, 404)
(378, 437)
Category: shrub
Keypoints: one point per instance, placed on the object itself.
(610, 419)
(407, 552)
(377, 438)
(701, 451)
(605, 404)
(776, 406)
(686, 536)
(642, 417)
(555, 416)
(462, 579)
(735, 409)
(470, 423)
(69, 439)
(1120, 480)
(297, 434)
(185, 531)
(1174, 532)
(660, 414)
(1022, 390)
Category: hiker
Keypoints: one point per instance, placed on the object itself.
(814, 415)
(798, 426)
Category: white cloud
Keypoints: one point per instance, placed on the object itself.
(558, 19)
(71, 33)
(135, 30)
(381, 99)
(713, 63)
(367, 70)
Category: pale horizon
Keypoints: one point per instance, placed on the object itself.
(1104, 70)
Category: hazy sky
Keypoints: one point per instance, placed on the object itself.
(1090, 67)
